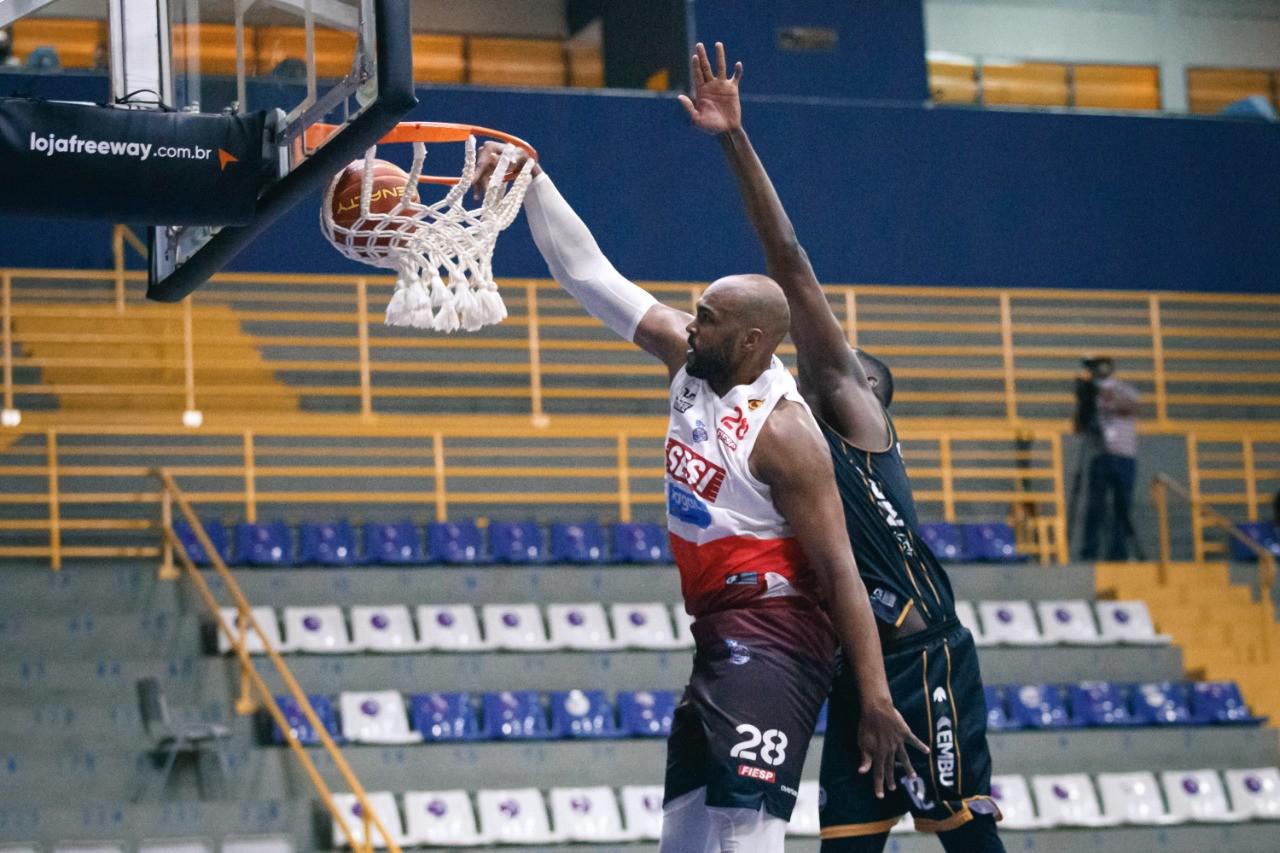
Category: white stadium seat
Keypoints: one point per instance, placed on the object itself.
(643, 626)
(969, 618)
(587, 815)
(266, 619)
(1068, 800)
(257, 844)
(376, 718)
(1010, 622)
(515, 816)
(1255, 792)
(384, 806)
(516, 627)
(642, 807)
(1069, 622)
(383, 629)
(804, 818)
(1014, 799)
(449, 628)
(320, 630)
(579, 626)
(683, 622)
(1198, 795)
(440, 819)
(1128, 622)
(1134, 798)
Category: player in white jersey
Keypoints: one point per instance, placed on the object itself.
(759, 539)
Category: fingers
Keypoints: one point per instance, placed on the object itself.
(705, 63)
(688, 106)
(486, 162)
(720, 63)
(905, 760)
(869, 764)
(737, 72)
(916, 743)
(695, 70)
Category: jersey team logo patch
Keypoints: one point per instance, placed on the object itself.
(684, 402)
(760, 773)
(686, 466)
(754, 404)
(686, 507)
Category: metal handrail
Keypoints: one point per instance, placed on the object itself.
(1161, 485)
(252, 681)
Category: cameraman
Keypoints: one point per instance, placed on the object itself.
(1106, 415)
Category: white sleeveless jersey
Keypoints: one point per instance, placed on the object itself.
(729, 541)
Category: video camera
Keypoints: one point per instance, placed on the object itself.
(1086, 414)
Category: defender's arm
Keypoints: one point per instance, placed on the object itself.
(830, 372)
(791, 458)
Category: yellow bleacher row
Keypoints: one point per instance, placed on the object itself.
(1055, 84)
(437, 58)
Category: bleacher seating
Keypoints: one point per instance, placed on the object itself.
(1264, 533)
(516, 542)
(328, 544)
(217, 533)
(301, 726)
(1134, 798)
(516, 62)
(75, 40)
(454, 542)
(393, 544)
(440, 819)
(584, 626)
(268, 544)
(591, 713)
(384, 806)
(581, 542)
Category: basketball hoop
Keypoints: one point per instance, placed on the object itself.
(428, 245)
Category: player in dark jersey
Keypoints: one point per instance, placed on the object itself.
(929, 658)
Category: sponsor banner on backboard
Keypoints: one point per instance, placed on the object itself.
(147, 167)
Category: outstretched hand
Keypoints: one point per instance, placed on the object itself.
(487, 160)
(883, 738)
(715, 107)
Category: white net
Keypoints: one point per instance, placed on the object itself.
(442, 253)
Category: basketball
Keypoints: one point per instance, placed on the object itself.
(389, 182)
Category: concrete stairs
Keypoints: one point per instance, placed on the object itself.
(230, 373)
(1224, 633)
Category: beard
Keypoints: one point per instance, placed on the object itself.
(707, 364)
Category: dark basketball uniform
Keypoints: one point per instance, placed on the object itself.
(765, 651)
(933, 674)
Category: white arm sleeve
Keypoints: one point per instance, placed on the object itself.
(577, 263)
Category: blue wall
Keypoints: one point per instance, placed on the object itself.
(879, 51)
(885, 194)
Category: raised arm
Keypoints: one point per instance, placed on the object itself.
(576, 262)
(791, 458)
(830, 373)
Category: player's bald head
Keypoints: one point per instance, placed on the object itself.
(754, 301)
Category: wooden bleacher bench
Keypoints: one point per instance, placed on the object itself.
(1117, 87)
(215, 45)
(516, 62)
(1211, 89)
(586, 65)
(438, 59)
(953, 82)
(74, 39)
(334, 49)
(1040, 84)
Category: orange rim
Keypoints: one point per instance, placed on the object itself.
(426, 131)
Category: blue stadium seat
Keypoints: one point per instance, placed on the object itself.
(301, 726)
(997, 710)
(44, 58)
(991, 542)
(820, 725)
(514, 715)
(328, 544)
(582, 714)
(444, 716)
(516, 542)
(1220, 702)
(217, 533)
(1262, 532)
(268, 544)
(1039, 706)
(577, 543)
(393, 544)
(1101, 703)
(457, 543)
(647, 713)
(1163, 703)
(944, 541)
(640, 543)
